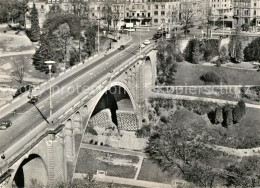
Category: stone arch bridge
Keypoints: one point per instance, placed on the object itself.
(48, 153)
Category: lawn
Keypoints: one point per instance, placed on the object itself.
(152, 172)
(31, 75)
(89, 161)
(189, 74)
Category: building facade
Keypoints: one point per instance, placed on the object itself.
(246, 12)
(222, 8)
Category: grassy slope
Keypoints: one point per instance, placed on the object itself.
(189, 74)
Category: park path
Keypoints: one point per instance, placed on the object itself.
(6, 54)
(151, 94)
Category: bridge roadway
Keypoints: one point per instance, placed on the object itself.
(88, 76)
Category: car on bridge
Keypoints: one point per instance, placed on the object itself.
(122, 47)
(142, 46)
(5, 124)
(146, 42)
(34, 99)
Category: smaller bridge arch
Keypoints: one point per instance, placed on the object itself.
(31, 172)
(68, 139)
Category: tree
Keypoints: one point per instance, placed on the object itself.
(35, 28)
(239, 111)
(166, 64)
(90, 40)
(218, 115)
(239, 52)
(181, 145)
(244, 173)
(187, 17)
(196, 55)
(236, 47)
(251, 51)
(227, 116)
(18, 72)
(207, 21)
(50, 48)
(108, 13)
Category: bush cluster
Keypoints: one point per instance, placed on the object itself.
(251, 52)
(228, 114)
(205, 49)
(212, 77)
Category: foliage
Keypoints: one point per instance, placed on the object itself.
(196, 55)
(244, 173)
(211, 77)
(235, 47)
(35, 28)
(218, 115)
(239, 111)
(181, 145)
(55, 20)
(145, 131)
(223, 55)
(227, 116)
(49, 49)
(188, 52)
(166, 62)
(91, 130)
(252, 52)
(13, 11)
(210, 48)
(74, 57)
(90, 41)
(198, 107)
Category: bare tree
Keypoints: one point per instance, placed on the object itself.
(18, 72)
(187, 17)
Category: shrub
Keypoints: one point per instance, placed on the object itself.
(252, 52)
(179, 57)
(252, 93)
(227, 116)
(218, 115)
(210, 48)
(91, 130)
(145, 131)
(188, 52)
(196, 55)
(211, 78)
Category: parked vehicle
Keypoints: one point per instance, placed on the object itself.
(122, 47)
(146, 42)
(34, 99)
(142, 46)
(5, 124)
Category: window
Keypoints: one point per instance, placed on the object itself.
(162, 13)
(156, 13)
(155, 20)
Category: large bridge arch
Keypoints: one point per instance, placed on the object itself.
(101, 93)
(32, 171)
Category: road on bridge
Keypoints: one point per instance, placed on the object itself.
(29, 116)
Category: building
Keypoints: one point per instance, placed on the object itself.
(246, 12)
(44, 6)
(222, 8)
(165, 11)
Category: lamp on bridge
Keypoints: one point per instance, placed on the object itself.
(50, 63)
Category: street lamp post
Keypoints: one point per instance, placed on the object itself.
(50, 63)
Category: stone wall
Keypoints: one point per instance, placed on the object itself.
(127, 120)
(101, 119)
